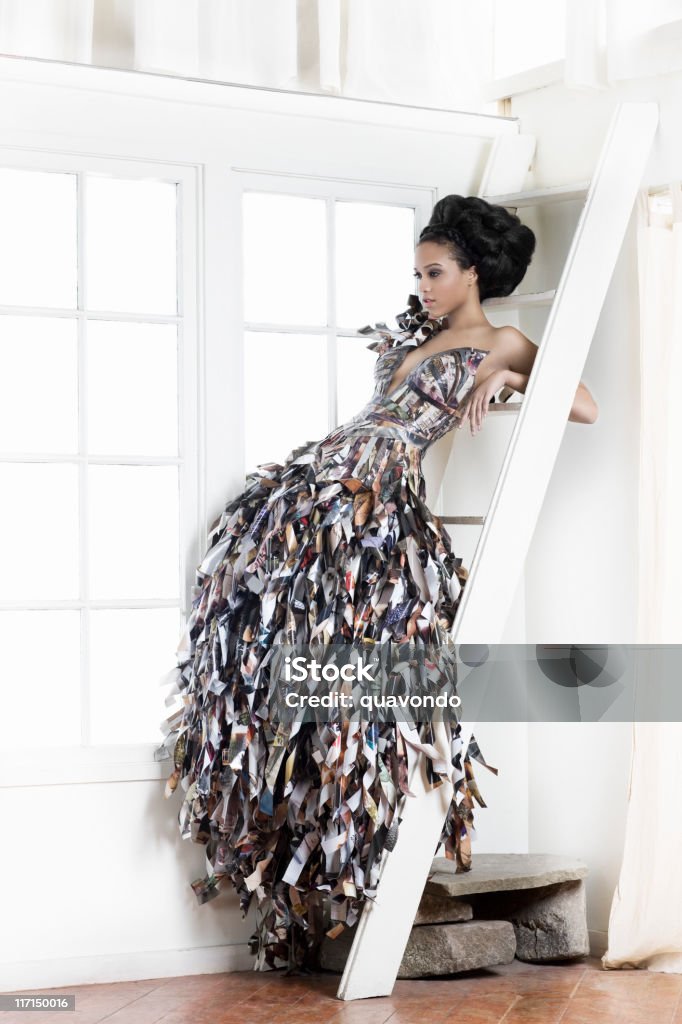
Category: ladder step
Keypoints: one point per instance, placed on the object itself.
(521, 300)
(502, 407)
(463, 520)
(541, 196)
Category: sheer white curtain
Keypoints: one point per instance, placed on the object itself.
(435, 53)
(54, 29)
(659, 241)
(254, 43)
(245, 41)
(645, 926)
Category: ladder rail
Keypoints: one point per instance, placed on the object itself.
(530, 458)
(543, 414)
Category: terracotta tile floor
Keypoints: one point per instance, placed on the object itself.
(580, 992)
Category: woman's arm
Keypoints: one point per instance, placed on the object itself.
(519, 353)
(583, 410)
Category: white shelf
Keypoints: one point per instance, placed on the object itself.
(463, 520)
(521, 300)
(541, 196)
(502, 407)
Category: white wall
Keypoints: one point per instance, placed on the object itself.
(95, 882)
(94, 877)
(581, 568)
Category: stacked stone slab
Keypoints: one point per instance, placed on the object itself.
(543, 896)
(531, 906)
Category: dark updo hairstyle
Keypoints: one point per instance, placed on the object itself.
(483, 235)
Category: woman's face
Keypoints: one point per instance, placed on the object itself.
(442, 285)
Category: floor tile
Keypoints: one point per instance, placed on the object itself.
(534, 1009)
(576, 992)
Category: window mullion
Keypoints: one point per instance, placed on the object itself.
(331, 314)
(83, 498)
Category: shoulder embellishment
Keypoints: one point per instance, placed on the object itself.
(415, 326)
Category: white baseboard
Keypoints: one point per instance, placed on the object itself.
(32, 975)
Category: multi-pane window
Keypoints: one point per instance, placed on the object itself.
(100, 420)
(316, 267)
(91, 319)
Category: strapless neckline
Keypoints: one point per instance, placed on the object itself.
(391, 392)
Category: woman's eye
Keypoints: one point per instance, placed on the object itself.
(433, 273)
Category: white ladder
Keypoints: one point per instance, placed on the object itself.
(385, 924)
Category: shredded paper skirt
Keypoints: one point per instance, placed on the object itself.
(334, 547)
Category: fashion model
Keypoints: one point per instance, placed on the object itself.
(337, 546)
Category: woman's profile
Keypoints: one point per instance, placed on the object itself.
(338, 546)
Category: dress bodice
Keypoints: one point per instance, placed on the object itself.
(422, 408)
(387, 437)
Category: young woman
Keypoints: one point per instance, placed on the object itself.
(337, 546)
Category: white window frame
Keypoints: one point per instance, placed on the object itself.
(331, 190)
(121, 762)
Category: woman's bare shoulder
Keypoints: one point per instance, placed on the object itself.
(513, 348)
(507, 334)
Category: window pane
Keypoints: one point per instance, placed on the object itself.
(285, 393)
(38, 385)
(128, 656)
(40, 680)
(130, 245)
(285, 259)
(528, 33)
(132, 413)
(374, 259)
(354, 375)
(38, 238)
(134, 535)
(38, 531)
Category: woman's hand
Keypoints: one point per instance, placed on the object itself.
(475, 406)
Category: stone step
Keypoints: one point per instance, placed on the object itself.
(437, 909)
(501, 872)
(541, 895)
(448, 948)
(438, 949)
(531, 906)
(550, 923)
